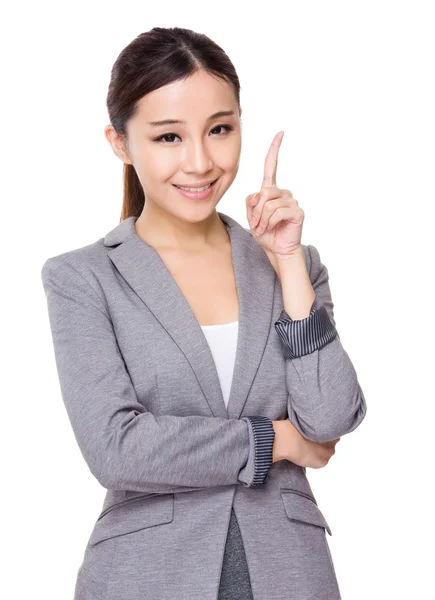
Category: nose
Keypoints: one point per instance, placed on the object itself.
(196, 158)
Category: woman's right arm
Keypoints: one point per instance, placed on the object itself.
(125, 446)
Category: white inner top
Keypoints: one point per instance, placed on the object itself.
(222, 340)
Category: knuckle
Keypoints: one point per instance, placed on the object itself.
(269, 206)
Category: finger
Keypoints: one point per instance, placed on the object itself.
(267, 221)
(255, 209)
(251, 202)
(285, 213)
(259, 200)
(271, 162)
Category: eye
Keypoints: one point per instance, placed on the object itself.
(162, 138)
(227, 127)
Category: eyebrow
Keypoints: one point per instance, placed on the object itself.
(221, 113)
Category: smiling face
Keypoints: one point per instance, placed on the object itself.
(199, 150)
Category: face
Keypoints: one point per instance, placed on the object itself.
(200, 149)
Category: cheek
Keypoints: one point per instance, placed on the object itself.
(155, 169)
(230, 163)
(231, 158)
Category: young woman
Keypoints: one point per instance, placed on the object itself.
(198, 360)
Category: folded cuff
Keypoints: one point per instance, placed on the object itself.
(263, 435)
(303, 336)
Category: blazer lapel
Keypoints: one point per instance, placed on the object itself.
(143, 269)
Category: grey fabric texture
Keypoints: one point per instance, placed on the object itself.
(235, 583)
(143, 396)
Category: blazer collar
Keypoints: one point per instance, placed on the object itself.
(143, 269)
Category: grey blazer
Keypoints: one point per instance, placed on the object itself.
(144, 399)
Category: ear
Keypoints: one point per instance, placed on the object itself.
(117, 143)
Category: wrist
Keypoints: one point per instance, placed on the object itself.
(281, 260)
(272, 261)
(295, 254)
(280, 444)
(289, 443)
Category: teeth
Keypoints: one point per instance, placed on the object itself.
(194, 189)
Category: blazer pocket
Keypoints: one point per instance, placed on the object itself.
(132, 515)
(301, 507)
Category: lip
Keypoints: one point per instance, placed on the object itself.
(198, 195)
(196, 185)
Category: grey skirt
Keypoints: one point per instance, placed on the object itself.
(235, 583)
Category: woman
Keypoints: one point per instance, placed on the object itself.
(199, 361)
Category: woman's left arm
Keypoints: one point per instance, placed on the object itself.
(325, 400)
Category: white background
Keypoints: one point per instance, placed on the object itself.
(352, 86)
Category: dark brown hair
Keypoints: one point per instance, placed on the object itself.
(154, 59)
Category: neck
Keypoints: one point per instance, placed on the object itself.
(162, 230)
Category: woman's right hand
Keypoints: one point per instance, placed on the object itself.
(290, 445)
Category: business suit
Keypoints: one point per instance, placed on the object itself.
(144, 400)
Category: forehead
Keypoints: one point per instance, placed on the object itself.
(191, 99)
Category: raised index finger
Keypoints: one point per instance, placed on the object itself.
(271, 162)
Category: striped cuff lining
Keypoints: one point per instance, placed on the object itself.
(264, 435)
(303, 336)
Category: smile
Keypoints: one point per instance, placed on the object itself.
(197, 193)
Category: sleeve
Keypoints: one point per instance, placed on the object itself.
(325, 400)
(124, 445)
